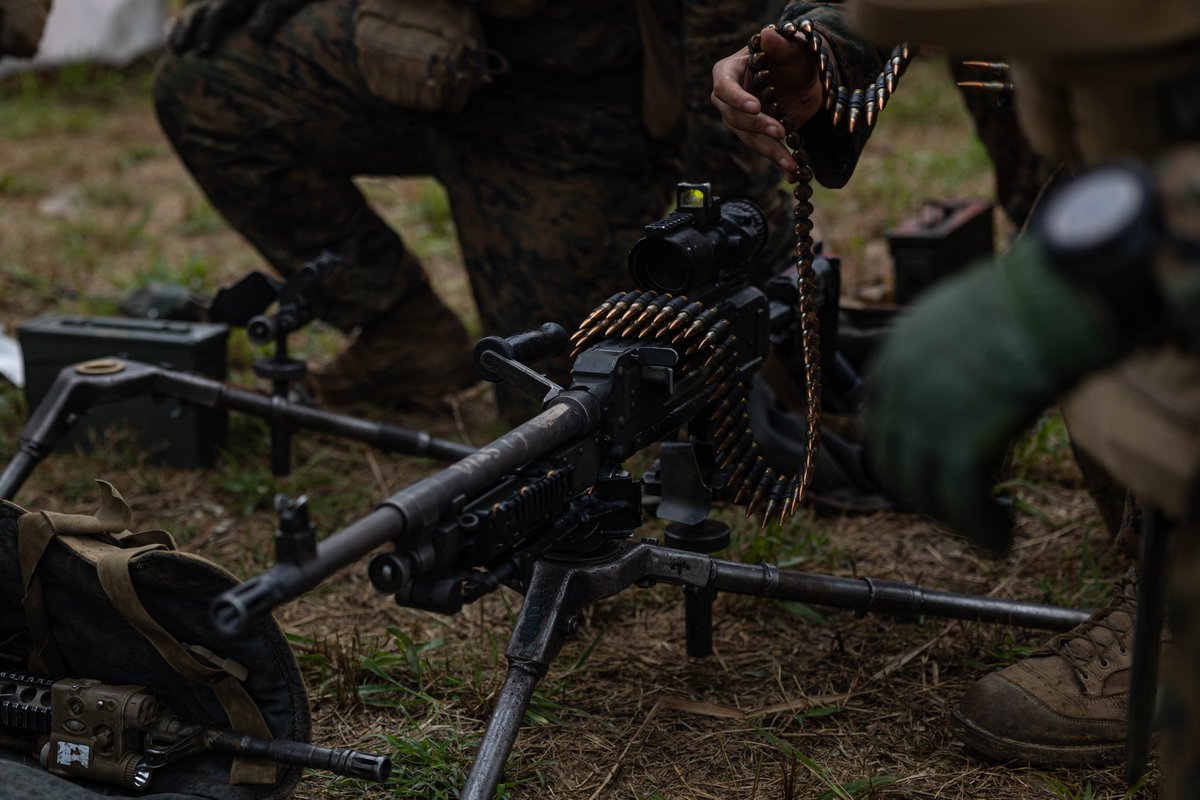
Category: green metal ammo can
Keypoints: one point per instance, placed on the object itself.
(171, 431)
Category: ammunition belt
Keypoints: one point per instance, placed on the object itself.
(845, 105)
(703, 337)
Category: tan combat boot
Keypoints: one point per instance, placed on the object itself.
(411, 358)
(1064, 704)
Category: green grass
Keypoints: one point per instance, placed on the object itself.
(76, 99)
(17, 186)
(1064, 791)
(834, 789)
(200, 219)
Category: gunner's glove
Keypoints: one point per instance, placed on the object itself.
(203, 24)
(983, 354)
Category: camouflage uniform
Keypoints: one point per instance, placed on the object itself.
(21, 24)
(550, 172)
(1021, 174)
(1088, 90)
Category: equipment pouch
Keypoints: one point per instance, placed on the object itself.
(423, 55)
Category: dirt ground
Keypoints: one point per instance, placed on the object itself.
(796, 702)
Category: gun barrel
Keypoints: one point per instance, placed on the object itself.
(408, 512)
(338, 760)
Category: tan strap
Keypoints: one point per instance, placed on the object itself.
(34, 534)
(35, 530)
(227, 665)
(244, 716)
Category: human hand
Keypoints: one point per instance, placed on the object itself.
(964, 371)
(202, 25)
(798, 92)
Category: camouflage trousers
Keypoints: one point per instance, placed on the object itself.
(1021, 174)
(1140, 421)
(548, 189)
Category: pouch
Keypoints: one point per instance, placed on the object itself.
(423, 55)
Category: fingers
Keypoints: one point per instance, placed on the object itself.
(223, 16)
(742, 112)
(219, 15)
(270, 16)
(771, 148)
(759, 124)
(183, 32)
(795, 76)
(727, 84)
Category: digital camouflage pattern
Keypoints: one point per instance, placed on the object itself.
(550, 173)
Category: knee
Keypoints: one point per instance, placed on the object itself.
(170, 94)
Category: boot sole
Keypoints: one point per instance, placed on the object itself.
(1000, 748)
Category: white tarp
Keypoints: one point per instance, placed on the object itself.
(103, 31)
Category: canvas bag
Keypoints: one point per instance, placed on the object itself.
(85, 597)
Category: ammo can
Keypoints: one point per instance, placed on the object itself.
(940, 240)
(171, 431)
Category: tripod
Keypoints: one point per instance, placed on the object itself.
(564, 581)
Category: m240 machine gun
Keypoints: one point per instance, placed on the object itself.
(549, 508)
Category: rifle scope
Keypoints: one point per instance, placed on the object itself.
(700, 243)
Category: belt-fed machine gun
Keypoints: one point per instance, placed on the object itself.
(549, 507)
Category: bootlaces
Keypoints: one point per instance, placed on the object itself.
(1086, 644)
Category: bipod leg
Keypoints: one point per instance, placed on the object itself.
(1147, 636)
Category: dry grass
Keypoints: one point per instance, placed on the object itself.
(795, 703)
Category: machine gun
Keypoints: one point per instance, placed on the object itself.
(549, 507)
(119, 735)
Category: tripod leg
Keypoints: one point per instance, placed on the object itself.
(697, 619)
(1147, 634)
(281, 436)
(502, 730)
(552, 601)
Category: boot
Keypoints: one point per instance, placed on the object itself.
(1066, 703)
(411, 358)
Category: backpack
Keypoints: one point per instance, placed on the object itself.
(81, 596)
